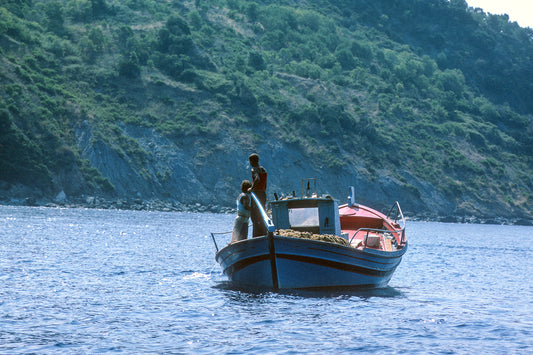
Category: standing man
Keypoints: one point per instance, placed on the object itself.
(259, 184)
(240, 227)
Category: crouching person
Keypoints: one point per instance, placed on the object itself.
(240, 228)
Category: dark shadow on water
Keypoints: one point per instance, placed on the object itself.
(363, 292)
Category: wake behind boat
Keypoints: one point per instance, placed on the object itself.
(312, 242)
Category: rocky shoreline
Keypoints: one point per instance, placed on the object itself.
(473, 220)
(120, 204)
(175, 206)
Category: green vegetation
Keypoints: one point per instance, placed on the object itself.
(442, 90)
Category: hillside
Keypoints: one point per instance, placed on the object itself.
(424, 102)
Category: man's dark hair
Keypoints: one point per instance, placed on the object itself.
(254, 158)
(245, 185)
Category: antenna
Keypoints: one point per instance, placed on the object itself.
(308, 192)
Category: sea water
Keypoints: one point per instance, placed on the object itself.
(85, 281)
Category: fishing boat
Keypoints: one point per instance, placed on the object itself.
(313, 243)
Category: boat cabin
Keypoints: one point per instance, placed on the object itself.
(317, 215)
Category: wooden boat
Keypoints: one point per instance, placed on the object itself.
(314, 243)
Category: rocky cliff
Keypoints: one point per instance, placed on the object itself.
(178, 174)
(176, 177)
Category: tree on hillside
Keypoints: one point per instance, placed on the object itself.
(55, 17)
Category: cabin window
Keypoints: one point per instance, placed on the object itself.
(303, 217)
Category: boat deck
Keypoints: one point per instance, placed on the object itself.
(361, 224)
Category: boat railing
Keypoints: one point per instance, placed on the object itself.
(214, 239)
(383, 233)
(398, 219)
(367, 231)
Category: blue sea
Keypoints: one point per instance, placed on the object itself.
(86, 281)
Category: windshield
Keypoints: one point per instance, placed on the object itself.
(303, 217)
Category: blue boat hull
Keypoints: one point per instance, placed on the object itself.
(293, 263)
